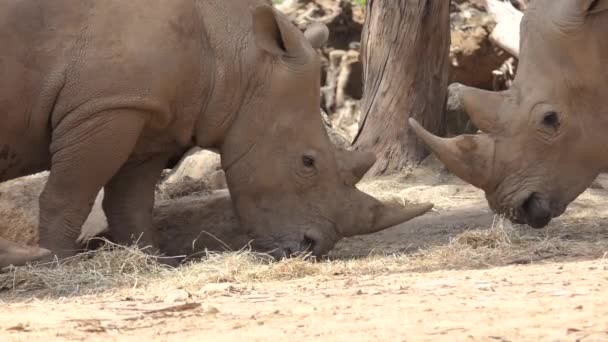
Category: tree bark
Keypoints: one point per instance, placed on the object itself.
(405, 55)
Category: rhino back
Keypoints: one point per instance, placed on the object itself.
(77, 57)
(140, 54)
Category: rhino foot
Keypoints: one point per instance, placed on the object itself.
(18, 255)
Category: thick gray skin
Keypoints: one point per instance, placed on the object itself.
(15, 254)
(545, 138)
(104, 93)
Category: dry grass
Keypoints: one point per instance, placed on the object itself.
(115, 267)
(109, 267)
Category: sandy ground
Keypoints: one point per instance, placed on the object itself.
(549, 284)
(542, 302)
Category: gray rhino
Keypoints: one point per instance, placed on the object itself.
(15, 254)
(105, 93)
(544, 141)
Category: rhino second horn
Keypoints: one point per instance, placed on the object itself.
(481, 106)
(469, 157)
(355, 164)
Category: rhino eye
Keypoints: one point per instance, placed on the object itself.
(551, 119)
(308, 161)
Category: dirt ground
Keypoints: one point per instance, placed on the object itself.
(555, 301)
(458, 273)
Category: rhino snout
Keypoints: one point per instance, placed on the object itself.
(311, 244)
(536, 211)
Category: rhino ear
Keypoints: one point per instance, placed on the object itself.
(585, 7)
(569, 15)
(275, 34)
(596, 6)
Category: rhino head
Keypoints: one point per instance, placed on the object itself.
(293, 191)
(543, 140)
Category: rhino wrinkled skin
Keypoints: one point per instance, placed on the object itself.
(104, 93)
(544, 140)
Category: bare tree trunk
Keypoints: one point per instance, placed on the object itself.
(405, 55)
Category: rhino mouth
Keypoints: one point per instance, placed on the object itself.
(535, 210)
(313, 243)
(530, 208)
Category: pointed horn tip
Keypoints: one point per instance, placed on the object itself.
(427, 137)
(413, 123)
(420, 209)
(418, 129)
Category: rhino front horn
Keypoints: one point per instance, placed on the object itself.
(470, 157)
(386, 216)
(371, 215)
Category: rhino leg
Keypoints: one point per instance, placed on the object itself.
(129, 200)
(18, 255)
(85, 156)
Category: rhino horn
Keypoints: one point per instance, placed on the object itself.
(482, 107)
(469, 157)
(354, 165)
(374, 216)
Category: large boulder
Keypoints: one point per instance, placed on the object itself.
(198, 170)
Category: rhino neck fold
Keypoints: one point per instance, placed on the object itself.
(229, 70)
(225, 100)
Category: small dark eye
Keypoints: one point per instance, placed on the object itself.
(551, 119)
(308, 161)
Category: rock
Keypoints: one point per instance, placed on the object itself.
(177, 296)
(199, 170)
(196, 224)
(211, 289)
(19, 210)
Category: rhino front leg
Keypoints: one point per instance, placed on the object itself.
(129, 200)
(19, 255)
(85, 155)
